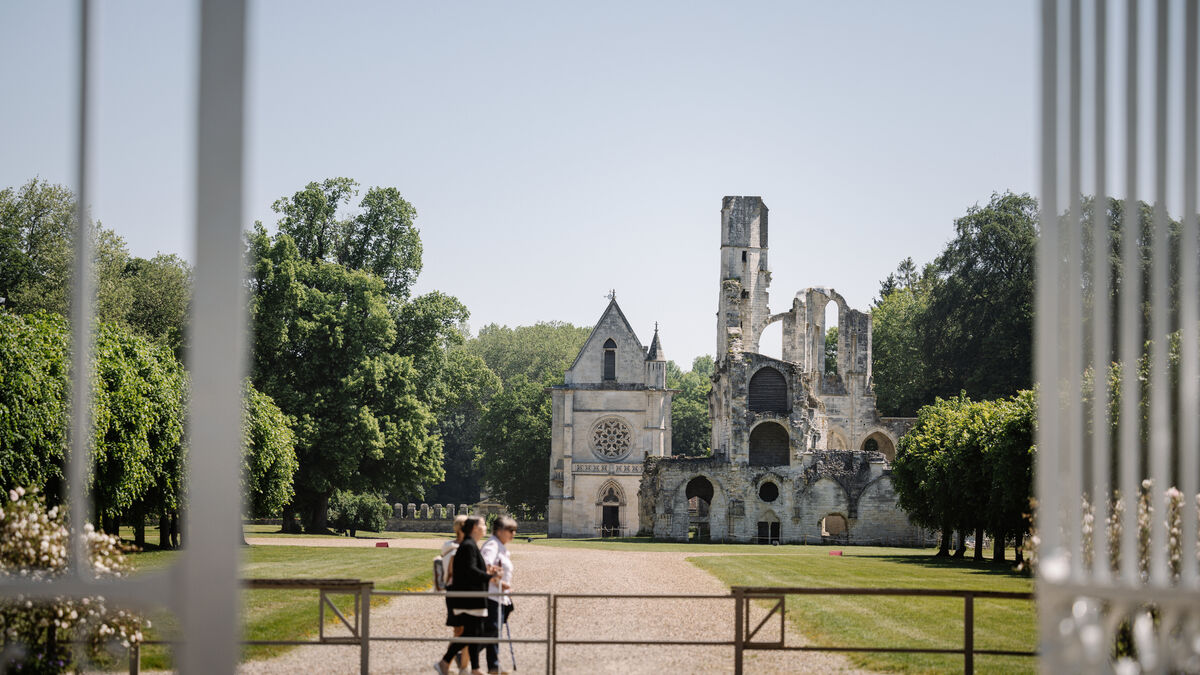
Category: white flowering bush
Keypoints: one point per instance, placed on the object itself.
(36, 633)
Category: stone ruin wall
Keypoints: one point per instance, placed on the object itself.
(853, 484)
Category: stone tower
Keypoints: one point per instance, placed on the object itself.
(743, 308)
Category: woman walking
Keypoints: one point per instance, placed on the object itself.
(470, 573)
(448, 550)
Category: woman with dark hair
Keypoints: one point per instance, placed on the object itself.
(470, 573)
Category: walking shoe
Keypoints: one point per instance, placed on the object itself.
(441, 670)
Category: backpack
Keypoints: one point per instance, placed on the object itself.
(439, 574)
(441, 570)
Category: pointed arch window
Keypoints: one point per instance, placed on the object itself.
(610, 360)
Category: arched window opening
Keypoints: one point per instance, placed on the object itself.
(834, 525)
(770, 341)
(610, 360)
(831, 338)
(769, 392)
(769, 445)
(879, 442)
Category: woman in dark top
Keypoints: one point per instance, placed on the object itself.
(470, 574)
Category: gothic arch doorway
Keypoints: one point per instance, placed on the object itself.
(610, 500)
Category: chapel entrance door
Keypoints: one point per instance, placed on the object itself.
(610, 525)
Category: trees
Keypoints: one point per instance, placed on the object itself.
(160, 291)
(968, 465)
(380, 239)
(514, 446)
(324, 350)
(978, 327)
(269, 457)
(466, 389)
(831, 341)
(545, 349)
(33, 390)
(513, 442)
(691, 428)
(344, 351)
(899, 373)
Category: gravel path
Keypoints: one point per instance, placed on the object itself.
(568, 570)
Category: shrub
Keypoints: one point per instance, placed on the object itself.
(33, 545)
(350, 512)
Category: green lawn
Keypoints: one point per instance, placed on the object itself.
(273, 531)
(292, 614)
(892, 621)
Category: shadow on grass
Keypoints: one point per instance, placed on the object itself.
(1006, 568)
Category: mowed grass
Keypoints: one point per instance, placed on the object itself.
(881, 621)
(273, 531)
(293, 614)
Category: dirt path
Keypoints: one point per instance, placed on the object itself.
(568, 570)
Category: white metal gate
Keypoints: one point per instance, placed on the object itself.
(1098, 104)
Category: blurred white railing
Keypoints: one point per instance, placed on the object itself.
(201, 589)
(1098, 103)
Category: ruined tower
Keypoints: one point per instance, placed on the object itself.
(800, 453)
(744, 274)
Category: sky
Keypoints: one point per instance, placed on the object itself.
(555, 151)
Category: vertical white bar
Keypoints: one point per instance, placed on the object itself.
(1046, 317)
(1101, 326)
(1189, 296)
(1160, 311)
(82, 313)
(209, 591)
(1072, 431)
(1131, 312)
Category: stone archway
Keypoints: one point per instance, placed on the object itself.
(699, 492)
(881, 443)
(834, 525)
(610, 507)
(770, 445)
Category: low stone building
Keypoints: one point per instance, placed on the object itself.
(611, 413)
(800, 452)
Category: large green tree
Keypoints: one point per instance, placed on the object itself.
(543, 350)
(514, 446)
(380, 238)
(978, 327)
(465, 390)
(899, 373)
(691, 427)
(325, 350)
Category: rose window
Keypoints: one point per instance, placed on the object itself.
(611, 438)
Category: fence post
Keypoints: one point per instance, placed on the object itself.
(739, 629)
(364, 628)
(968, 634)
(551, 633)
(135, 658)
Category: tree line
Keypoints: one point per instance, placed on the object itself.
(953, 345)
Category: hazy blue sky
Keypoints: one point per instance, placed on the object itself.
(557, 150)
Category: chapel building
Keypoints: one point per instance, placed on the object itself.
(611, 413)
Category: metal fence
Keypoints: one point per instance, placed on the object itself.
(741, 597)
(1118, 117)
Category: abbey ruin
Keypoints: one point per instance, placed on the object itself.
(799, 451)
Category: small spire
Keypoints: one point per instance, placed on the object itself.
(655, 353)
(612, 295)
